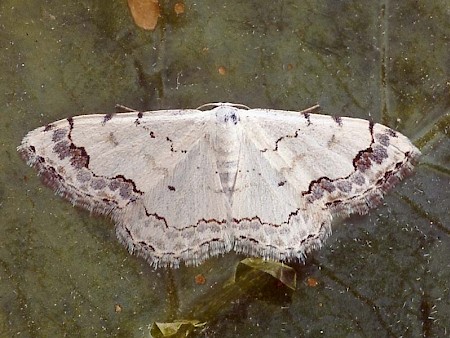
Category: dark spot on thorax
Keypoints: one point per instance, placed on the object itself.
(231, 117)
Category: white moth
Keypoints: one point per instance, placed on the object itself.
(184, 185)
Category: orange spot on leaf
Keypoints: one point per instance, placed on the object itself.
(145, 13)
(200, 279)
(222, 70)
(179, 8)
(312, 282)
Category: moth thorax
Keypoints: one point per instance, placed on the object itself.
(227, 145)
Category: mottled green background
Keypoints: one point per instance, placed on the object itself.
(385, 274)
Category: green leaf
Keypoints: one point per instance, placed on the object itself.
(177, 328)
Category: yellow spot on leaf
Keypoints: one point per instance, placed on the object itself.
(117, 308)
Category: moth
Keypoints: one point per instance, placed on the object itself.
(186, 184)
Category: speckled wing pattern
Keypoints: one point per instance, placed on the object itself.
(184, 185)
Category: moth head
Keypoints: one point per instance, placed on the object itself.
(227, 115)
